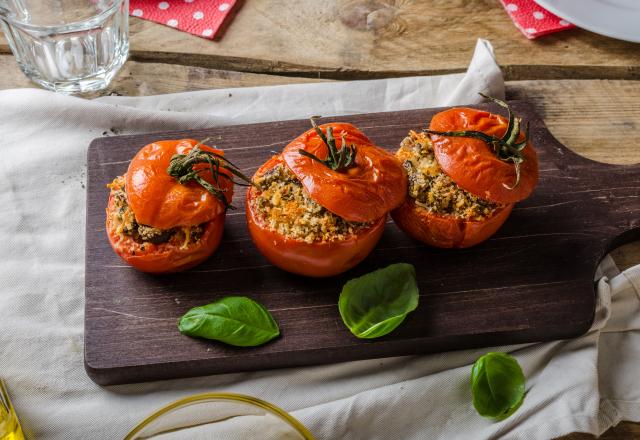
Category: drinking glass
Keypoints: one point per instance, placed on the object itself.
(220, 416)
(9, 424)
(69, 46)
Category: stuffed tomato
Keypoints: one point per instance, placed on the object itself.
(166, 214)
(465, 174)
(320, 207)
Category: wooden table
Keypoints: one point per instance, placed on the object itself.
(586, 87)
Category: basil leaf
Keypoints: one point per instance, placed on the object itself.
(376, 303)
(234, 320)
(497, 385)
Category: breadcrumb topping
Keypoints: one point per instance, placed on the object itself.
(431, 188)
(124, 220)
(285, 207)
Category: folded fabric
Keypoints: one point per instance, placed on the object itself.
(42, 203)
(533, 20)
(203, 18)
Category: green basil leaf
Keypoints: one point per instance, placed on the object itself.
(234, 320)
(497, 385)
(376, 303)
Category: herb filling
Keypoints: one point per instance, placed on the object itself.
(285, 207)
(431, 188)
(124, 220)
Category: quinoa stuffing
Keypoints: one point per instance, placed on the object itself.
(124, 220)
(431, 188)
(285, 207)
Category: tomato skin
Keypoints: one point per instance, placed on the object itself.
(158, 200)
(473, 165)
(317, 259)
(445, 231)
(363, 193)
(165, 257)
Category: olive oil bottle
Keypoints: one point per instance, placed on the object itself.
(9, 425)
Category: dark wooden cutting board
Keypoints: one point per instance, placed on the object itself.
(532, 281)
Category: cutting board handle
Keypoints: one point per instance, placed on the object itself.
(608, 191)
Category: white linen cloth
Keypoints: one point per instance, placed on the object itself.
(585, 384)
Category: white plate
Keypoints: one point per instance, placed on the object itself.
(614, 18)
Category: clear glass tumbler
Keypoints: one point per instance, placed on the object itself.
(69, 46)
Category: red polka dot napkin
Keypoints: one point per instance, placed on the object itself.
(198, 17)
(532, 20)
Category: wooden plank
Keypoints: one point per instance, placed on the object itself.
(142, 79)
(130, 332)
(598, 119)
(380, 38)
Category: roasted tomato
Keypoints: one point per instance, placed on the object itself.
(320, 211)
(159, 222)
(447, 231)
(365, 191)
(465, 178)
(474, 165)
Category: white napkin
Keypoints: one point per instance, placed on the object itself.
(43, 144)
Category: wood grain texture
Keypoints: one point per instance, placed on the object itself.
(144, 79)
(347, 39)
(599, 119)
(536, 281)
